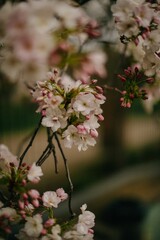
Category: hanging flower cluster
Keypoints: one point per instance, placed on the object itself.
(133, 81)
(26, 214)
(70, 108)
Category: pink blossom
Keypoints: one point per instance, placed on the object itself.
(61, 194)
(49, 222)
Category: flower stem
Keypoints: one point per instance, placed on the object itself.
(67, 175)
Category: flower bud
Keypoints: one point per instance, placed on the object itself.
(44, 231)
(33, 193)
(100, 117)
(49, 222)
(25, 196)
(35, 203)
(21, 204)
(94, 133)
(123, 79)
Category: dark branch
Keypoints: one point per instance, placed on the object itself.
(67, 175)
(30, 143)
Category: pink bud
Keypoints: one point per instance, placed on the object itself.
(88, 117)
(123, 104)
(24, 182)
(35, 203)
(43, 113)
(131, 95)
(26, 202)
(49, 222)
(136, 41)
(91, 231)
(99, 89)
(100, 117)
(25, 196)
(128, 104)
(127, 72)
(21, 204)
(81, 129)
(50, 95)
(124, 92)
(23, 214)
(123, 79)
(136, 69)
(94, 133)
(33, 193)
(44, 231)
(100, 96)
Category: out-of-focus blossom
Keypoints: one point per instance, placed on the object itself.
(41, 34)
(6, 157)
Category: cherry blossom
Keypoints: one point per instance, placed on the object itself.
(50, 199)
(34, 173)
(33, 226)
(61, 194)
(70, 108)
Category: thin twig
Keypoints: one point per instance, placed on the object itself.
(30, 143)
(112, 88)
(50, 148)
(67, 175)
(42, 159)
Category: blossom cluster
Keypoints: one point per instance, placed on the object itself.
(37, 35)
(70, 108)
(135, 19)
(137, 22)
(27, 214)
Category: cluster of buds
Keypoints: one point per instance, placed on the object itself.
(70, 108)
(132, 81)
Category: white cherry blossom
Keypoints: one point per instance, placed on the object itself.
(34, 173)
(84, 103)
(50, 199)
(55, 118)
(33, 226)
